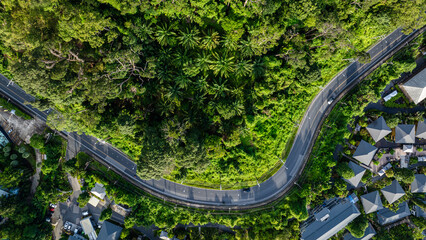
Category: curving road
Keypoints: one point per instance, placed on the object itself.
(265, 192)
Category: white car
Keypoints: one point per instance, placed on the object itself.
(330, 101)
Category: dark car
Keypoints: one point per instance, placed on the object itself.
(246, 189)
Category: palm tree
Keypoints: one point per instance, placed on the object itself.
(258, 68)
(174, 94)
(223, 65)
(203, 60)
(243, 68)
(210, 40)
(180, 58)
(182, 80)
(246, 48)
(229, 44)
(201, 84)
(189, 38)
(219, 88)
(165, 35)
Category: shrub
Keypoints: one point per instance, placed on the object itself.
(392, 151)
(106, 214)
(419, 149)
(376, 162)
(367, 176)
(357, 226)
(83, 199)
(344, 170)
(25, 155)
(13, 156)
(389, 173)
(404, 175)
(37, 141)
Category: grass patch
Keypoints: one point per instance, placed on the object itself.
(9, 106)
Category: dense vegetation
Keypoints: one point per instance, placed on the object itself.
(201, 91)
(282, 221)
(25, 212)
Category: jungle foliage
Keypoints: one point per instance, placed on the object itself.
(205, 91)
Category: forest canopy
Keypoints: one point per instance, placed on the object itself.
(203, 91)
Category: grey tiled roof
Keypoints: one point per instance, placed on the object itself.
(378, 129)
(405, 133)
(416, 87)
(358, 171)
(340, 215)
(368, 234)
(393, 192)
(386, 216)
(421, 130)
(365, 152)
(109, 231)
(371, 202)
(419, 184)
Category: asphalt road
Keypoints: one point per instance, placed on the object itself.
(229, 199)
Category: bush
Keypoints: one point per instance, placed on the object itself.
(419, 149)
(392, 151)
(25, 155)
(344, 170)
(376, 162)
(106, 214)
(13, 156)
(37, 141)
(404, 175)
(414, 160)
(367, 176)
(83, 199)
(389, 173)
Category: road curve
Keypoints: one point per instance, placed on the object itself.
(265, 192)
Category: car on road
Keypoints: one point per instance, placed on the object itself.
(330, 101)
(246, 190)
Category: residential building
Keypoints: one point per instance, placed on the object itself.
(421, 130)
(368, 234)
(378, 129)
(371, 202)
(419, 184)
(329, 219)
(94, 201)
(109, 231)
(393, 192)
(358, 171)
(365, 152)
(405, 134)
(386, 216)
(99, 191)
(415, 88)
(86, 224)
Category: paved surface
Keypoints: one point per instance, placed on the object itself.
(36, 177)
(235, 199)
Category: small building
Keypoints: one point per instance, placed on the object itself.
(390, 96)
(415, 88)
(94, 201)
(109, 231)
(378, 129)
(405, 134)
(330, 220)
(419, 184)
(358, 171)
(386, 216)
(404, 161)
(371, 202)
(393, 192)
(408, 148)
(421, 130)
(365, 152)
(86, 224)
(368, 234)
(99, 191)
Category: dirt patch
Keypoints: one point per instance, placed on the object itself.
(24, 129)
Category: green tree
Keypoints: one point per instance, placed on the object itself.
(357, 226)
(105, 214)
(37, 141)
(344, 170)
